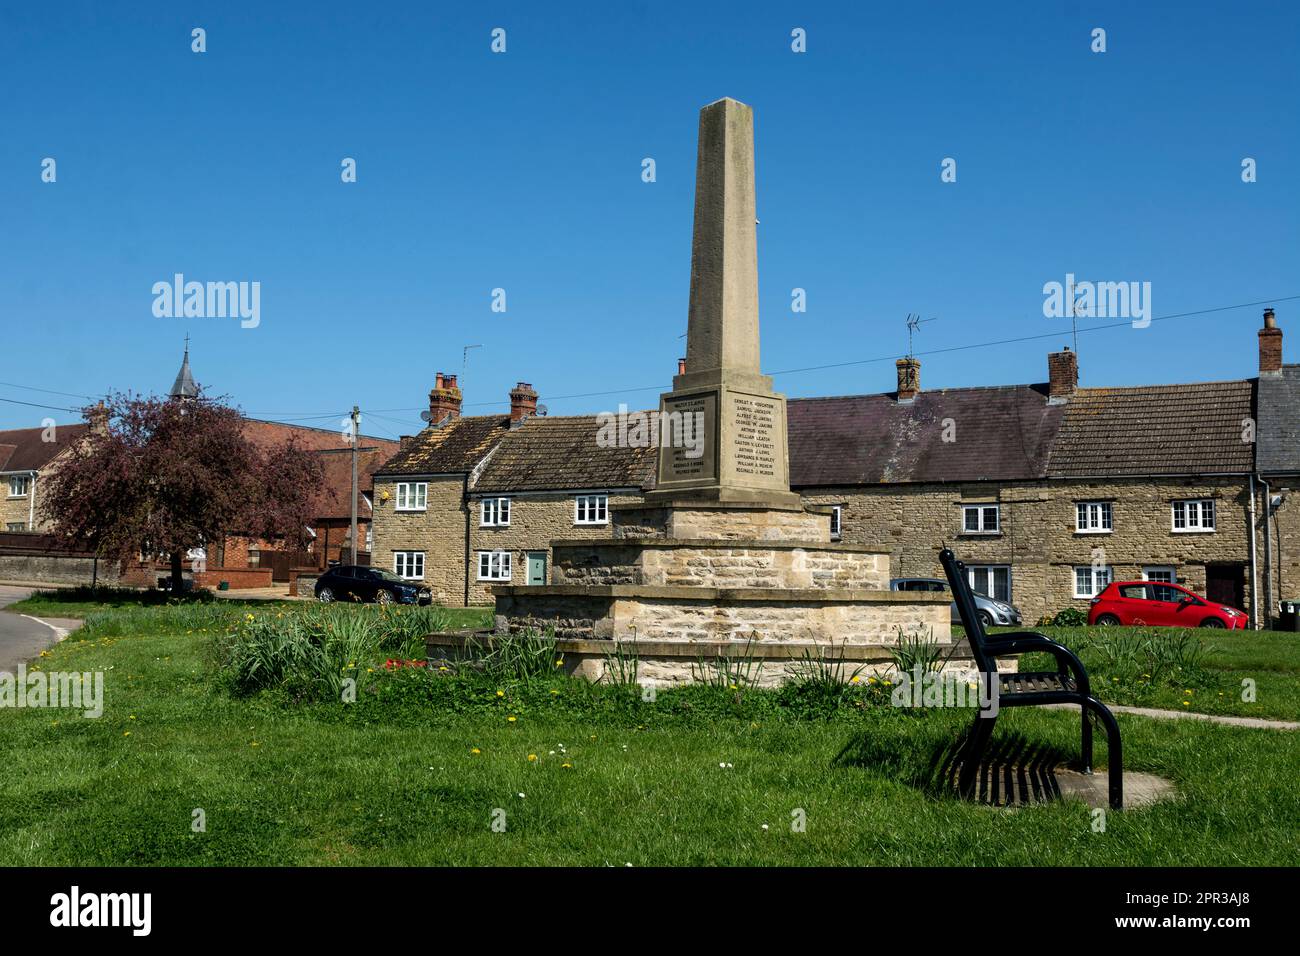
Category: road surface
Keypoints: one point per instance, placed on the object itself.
(23, 637)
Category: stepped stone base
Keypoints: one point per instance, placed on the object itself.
(694, 614)
(722, 520)
(733, 563)
(699, 579)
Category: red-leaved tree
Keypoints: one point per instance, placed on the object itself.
(161, 476)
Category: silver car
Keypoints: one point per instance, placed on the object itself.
(990, 611)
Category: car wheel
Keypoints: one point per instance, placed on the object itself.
(325, 595)
(1107, 620)
(1213, 622)
(986, 620)
(384, 597)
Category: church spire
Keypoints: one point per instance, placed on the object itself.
(184, 386)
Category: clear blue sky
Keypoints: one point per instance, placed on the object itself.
(523, 171)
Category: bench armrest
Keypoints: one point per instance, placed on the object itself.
(1025, 642)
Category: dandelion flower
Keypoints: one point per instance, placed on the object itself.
(567, 766)
(532, 758)
(127, 734)
(501, 693)
(475, 750)
(511, 718)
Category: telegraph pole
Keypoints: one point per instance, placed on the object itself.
(356, 414)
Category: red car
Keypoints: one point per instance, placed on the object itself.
(1160, 605)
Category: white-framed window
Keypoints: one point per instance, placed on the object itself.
(991, 579)
(494, 512)
(1093, 517)
(409, 565)
(591, 509)
(1090, 581)
(1163, 573)
(980, 519)
(494, 565)
(1193, 514)
(837, 517)
(412, 495)
(18, 485)
(16, 526)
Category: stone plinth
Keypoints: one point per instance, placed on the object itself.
(736, 563)
(710, 614)
(721, 521)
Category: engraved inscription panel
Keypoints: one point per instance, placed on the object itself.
(689, 442)
(754, 437)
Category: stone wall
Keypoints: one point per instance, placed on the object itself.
(739, 564)
(1037, 536)
(57, 569)
(438, 531)
(14, 511)
(1285, 532)
(536, 519)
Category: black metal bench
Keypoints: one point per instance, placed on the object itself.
(1068, 684)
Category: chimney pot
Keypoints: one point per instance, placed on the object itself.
(909, 378)
(681, 366)
(444, 398)
(1062, 375)
(523, 402)
(1270, 344)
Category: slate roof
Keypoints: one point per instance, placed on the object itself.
(455, 448)
(1001, 433)
(561, 453)
(184, 386)
(1155, 430)
(21, 449)
(1277, 447)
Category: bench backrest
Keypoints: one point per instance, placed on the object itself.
(966, 610)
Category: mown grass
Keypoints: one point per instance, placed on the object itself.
(691, 777)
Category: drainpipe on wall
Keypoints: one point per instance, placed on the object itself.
(1254, 572)
(469, 510)
(31, 503)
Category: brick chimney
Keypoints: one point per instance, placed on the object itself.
(444, 398)
(909, 378)
(1270, 344)
(404, 442)
(1062, 375)
(97, 417)
(523, 402)
(681, 366)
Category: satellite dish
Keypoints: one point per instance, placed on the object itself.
(541, 409)
(425, 416)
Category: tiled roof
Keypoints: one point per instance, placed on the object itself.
(1277, 448)
(455, 448)
(560, 454)
(333, 498)
(266, 434)
(1000, 433)
(1155, 430)
(23, 449)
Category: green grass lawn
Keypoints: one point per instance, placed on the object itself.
(690, 778)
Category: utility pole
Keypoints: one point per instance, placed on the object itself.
(356, 416)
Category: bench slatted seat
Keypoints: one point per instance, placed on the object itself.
(1068, 684)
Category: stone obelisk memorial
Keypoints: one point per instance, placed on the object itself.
(721, 560)
(745, 457)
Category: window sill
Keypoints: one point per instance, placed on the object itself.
(410, 511)
(1192, 530)
(979, 534)
(1078, 531)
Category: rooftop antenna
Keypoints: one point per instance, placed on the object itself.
(914, 321)
(1075, 308)
(464, 361)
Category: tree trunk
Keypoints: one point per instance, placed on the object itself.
(178, 574)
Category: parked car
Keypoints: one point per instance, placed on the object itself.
(347, 582)
(1160, 605)
(990, 611)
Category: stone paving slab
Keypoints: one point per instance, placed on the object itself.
(1227, 720)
